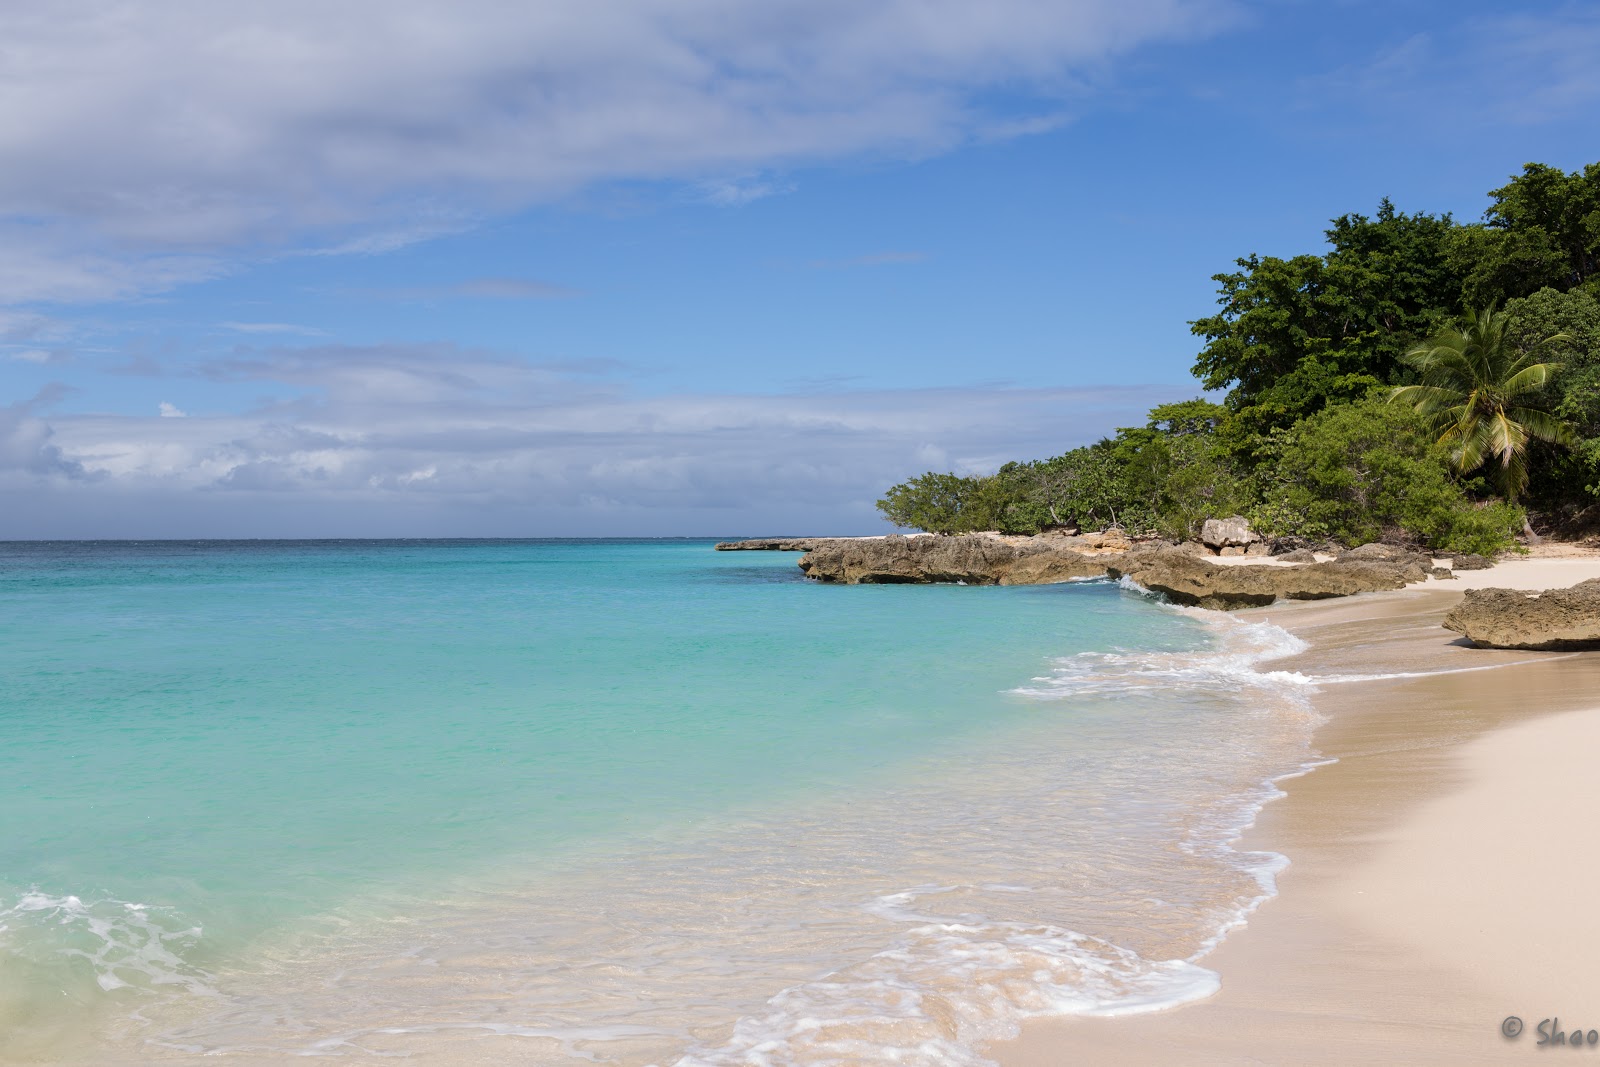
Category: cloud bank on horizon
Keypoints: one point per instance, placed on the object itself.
(419, 441)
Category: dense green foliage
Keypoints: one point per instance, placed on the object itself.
(1295, 335)
(1306, 349)
(1371, 471)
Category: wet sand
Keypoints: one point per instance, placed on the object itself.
(1442, 871)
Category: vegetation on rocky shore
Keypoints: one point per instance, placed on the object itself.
(1423, 380)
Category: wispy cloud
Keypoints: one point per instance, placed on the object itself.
(742, 189)
(1525, 68)
(41, 355)
(148, 148)
(274, 328)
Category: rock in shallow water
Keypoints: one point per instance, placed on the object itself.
(1554, 620)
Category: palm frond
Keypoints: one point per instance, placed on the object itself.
(1544, 426)
(1529, 379)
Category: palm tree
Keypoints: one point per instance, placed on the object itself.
(1478, 390)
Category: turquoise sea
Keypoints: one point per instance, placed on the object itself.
(626, 801)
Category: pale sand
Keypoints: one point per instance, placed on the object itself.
(1532, 573)
(1443, 872)
(1515, 573)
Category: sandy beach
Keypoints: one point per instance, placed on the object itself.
(1441, 876)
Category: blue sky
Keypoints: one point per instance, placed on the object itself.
(700, 267)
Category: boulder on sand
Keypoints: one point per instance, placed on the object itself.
(1228, 533)
(1554, 620)
(1197, 582)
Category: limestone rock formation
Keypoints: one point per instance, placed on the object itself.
(1199, 583)
(1228, 533)
(1555, 619)
(771, 544)
(975, 560)
(1380, 553)
(1158, 566)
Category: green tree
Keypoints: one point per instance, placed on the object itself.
(938, 503)
(1088, 488)
(1177, 470)
(1565, 480)
(1295, 335)
(1480, 393)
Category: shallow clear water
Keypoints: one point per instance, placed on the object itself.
(630, 800)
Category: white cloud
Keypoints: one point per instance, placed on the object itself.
(433, 439)
(1521, 68)
(170, 411)
(28, 453)
(147, 142)
(274, 328)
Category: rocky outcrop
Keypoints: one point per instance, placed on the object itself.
(1380, 553)
(1228, 533)
(975, 560)
(1556, 619)
(771, 544)
(1185, 579)
(1185, 574)
(1160, 567)
(1471, 561)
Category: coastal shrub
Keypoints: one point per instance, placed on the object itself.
(1483, 529)
(1362, 472)
(938, 503)
(1369, 471)
(1091, 488)
(1192, 478)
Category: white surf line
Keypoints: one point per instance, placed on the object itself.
(1338, 679)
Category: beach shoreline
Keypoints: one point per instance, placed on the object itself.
(1437, 872)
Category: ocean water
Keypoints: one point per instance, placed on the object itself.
(629, 802)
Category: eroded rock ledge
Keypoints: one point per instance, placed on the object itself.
(974, 560)
(1193, 581)
(1554, 620)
